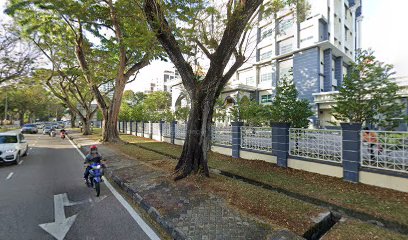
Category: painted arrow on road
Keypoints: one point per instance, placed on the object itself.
(61, 226)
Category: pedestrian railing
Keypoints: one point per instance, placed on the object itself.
(180, 131)
(221, 135)
(320, 144)
(385, 150)
(166, 131)
(256, 138)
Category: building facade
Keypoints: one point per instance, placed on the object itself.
(162, 83)
(317, 49)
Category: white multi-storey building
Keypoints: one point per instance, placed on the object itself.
(318, 49)
(162, 83)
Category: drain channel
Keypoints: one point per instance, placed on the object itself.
(323, 226)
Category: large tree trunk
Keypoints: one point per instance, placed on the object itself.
(73, 119)
(197, 142)
(110, 116)
(86, 126)
(21, 118)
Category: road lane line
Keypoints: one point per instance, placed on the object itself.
(9, 176)
(142, 224)
(20, 162)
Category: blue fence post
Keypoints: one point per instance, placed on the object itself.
(280, 143)
(161, 130)
(236, 138)
(150, 129)
(351, 151)
(173, 131)
(143, 124)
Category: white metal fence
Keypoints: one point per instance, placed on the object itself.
(385, 150)
(146, 128)
(166, 131)
(221, 135)
(320, 144)
(256, 138)
(181, 131)
(156, 129)
(139, 127)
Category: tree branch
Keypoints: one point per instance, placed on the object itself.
(204, 49)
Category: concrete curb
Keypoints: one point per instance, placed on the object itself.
(138, 199)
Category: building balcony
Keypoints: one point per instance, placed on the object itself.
(325, 97)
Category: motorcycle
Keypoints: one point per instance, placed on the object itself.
(53, 133)
(95, 176)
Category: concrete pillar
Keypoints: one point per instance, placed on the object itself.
(280, 143)
(351, 151)
(173, 131)
(236, 138)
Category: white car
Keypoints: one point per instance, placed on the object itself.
(13, 146)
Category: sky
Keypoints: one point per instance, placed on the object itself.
(383, 30)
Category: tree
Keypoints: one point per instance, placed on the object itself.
(250, 112)
(216, 31)
(181, 114)
(16, 56)
(126, 44)
(29, 101)
(368, 94)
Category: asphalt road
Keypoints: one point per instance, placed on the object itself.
(47, 187)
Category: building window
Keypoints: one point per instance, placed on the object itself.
(266, 33)
(266, 77)
(250, 81)
(266, 55)
(266, 98)
(285, 46)
(285, 24)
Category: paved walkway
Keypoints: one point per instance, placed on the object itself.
(180, 207)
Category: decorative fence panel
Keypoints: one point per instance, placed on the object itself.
(221, 135)
(147, 128)
(156, 129)
(385, 150)
(320, 144)
(256, 138)
(166, 130)
(139, 127)
(181, 131)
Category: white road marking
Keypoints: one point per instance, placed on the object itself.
(20, 162)
(9, 176)
(60, 227)
(143, 225)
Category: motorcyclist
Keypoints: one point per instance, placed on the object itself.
(63, 132)
(92, 157)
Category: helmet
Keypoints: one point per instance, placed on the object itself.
(93, 147)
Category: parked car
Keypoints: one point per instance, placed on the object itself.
(13, 146)
(29, 128)
(47, 129)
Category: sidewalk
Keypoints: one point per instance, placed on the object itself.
(183, 209)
